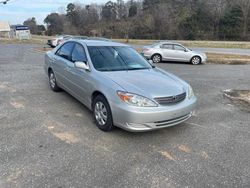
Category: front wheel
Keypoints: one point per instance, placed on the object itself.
(102, 114)
(196, 60)
(156, 58)
(52, 81)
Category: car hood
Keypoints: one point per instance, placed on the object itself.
(150, 83)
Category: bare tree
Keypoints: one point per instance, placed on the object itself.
(245, 7)
(217, 9)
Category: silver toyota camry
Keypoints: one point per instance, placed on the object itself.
(119, 85)
(168, 51)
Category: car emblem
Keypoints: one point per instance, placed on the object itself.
(174, 98)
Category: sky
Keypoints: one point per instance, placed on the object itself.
(17, 11)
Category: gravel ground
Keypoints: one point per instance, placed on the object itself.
(49, 139)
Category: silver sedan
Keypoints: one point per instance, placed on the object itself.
(168, 51)
(119, 85)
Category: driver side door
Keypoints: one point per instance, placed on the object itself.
(81, 82)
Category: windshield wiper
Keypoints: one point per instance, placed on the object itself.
(139, 68)
(111, 70)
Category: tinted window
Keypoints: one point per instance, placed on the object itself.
(65, 50)
(167, 46)
(180, 48)
(78, 54)
(113, 58)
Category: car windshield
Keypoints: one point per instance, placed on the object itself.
(113, 58)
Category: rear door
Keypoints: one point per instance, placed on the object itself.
(62, 63)
(167, 52)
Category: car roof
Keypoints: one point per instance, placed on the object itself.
(98, 42)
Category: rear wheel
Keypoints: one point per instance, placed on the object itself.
(102, 114)
(196, 60)
(52, 81)
(156, 58)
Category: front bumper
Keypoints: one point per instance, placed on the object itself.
(147, 56)
(138, 119)
(204, 59)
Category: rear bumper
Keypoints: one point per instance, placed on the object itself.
(137, 119)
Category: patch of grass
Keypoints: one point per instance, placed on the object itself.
(193, 44)
(35, 39)
(215, 58)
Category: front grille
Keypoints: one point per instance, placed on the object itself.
(171, 99)
(173, 121)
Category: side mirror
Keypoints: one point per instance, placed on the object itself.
(81, 65)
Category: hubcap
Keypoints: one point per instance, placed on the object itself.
(156, 59)
(196, 60)
(52, 80)
(100, 113)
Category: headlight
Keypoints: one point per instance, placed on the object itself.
(136, 100)
(190, 92)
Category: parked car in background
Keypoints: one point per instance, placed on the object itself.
(119, 85)
(62, 38)
(58, 40)
(99, 38)
(88, 38)
(78, 37)
(169, 51)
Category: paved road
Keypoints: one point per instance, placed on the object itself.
(225, 51)
(49, 139)
(233, 51)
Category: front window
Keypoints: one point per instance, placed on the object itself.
(179, 48)
(113, 58)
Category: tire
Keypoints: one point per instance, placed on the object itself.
(156, 58)
(102, 114)
(196, 60)
(52, 82)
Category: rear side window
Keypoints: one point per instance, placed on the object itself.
(167, 46)
(65, 51)
(79, 54)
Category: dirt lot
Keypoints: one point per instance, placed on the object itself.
(49, 139)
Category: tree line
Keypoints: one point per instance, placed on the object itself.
(156, 19)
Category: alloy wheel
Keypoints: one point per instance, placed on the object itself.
(101, 114)
(52, 80)
(156, 58)
(196, 61)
